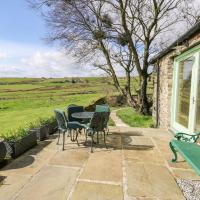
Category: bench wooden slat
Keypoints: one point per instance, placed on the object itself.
(190, 152)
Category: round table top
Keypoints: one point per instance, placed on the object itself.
(83, 115)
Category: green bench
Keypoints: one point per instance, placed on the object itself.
(186, 145)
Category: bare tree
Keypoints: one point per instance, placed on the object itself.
(191, 13)
(86, 28)
(143, 22)
(114, 34)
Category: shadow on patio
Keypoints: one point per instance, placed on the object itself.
(135, 166)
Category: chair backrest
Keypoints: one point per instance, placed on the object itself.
(98, 120)
(107, 116)
(102, 108)
(73, 109)
(61, 119)
(72, 105)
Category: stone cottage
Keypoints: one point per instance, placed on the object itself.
(177, 86)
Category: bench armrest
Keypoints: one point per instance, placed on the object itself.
(192, 138)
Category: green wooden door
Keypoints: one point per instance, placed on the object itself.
(186, 92)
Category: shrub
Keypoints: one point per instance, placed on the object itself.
(14, 135)
(45, 121)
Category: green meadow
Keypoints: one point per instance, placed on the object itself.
(25, 100)
(133, 119)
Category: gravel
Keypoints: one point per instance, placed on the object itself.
(190, 188)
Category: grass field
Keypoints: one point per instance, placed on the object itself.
(133, 119)
(25, 100)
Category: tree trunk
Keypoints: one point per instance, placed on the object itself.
(131, 101)
(144, 106)
(129, 98)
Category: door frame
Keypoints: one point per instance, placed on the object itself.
(195, 52)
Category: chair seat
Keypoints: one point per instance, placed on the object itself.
(75, 125)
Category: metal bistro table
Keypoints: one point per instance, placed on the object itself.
(83, 115)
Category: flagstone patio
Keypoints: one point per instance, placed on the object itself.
(135, 166)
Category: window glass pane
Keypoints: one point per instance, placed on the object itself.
(184, 88)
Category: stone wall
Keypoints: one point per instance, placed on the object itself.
(166, 80)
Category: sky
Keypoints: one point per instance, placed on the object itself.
(23, 51)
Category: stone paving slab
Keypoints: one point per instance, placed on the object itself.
(181, 163)
(163, 145)
(47, 172)
(149, 132)
(137, 142)
(12, 185)
(104, 166)
(51, 183)
(75, 158)
(146, 198)
(31, 161)
(97, 191)
(24, 165)
(114, 129)
(185, 174)
(151, 181)
(144, 156)
(114, 141)
(40, 153)
(131, 132)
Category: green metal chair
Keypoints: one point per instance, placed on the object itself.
(104, 108)
(64, 125)
(74, 109)
(96, 125)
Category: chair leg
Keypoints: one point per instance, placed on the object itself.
(58, 136)
(71, 135)
(63, 141)
(68, 133)
(74, 138)
(107, 130)
(86, 135)
(104, 137)
(97, 137)
(77, 132)
(92, 143)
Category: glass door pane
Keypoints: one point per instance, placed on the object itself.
(197, 128)
(184, 90)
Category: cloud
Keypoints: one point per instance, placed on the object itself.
(51, 64)
(30, 60)
(54, 64)
(48, 59)
(3, 55)
(27, 60)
